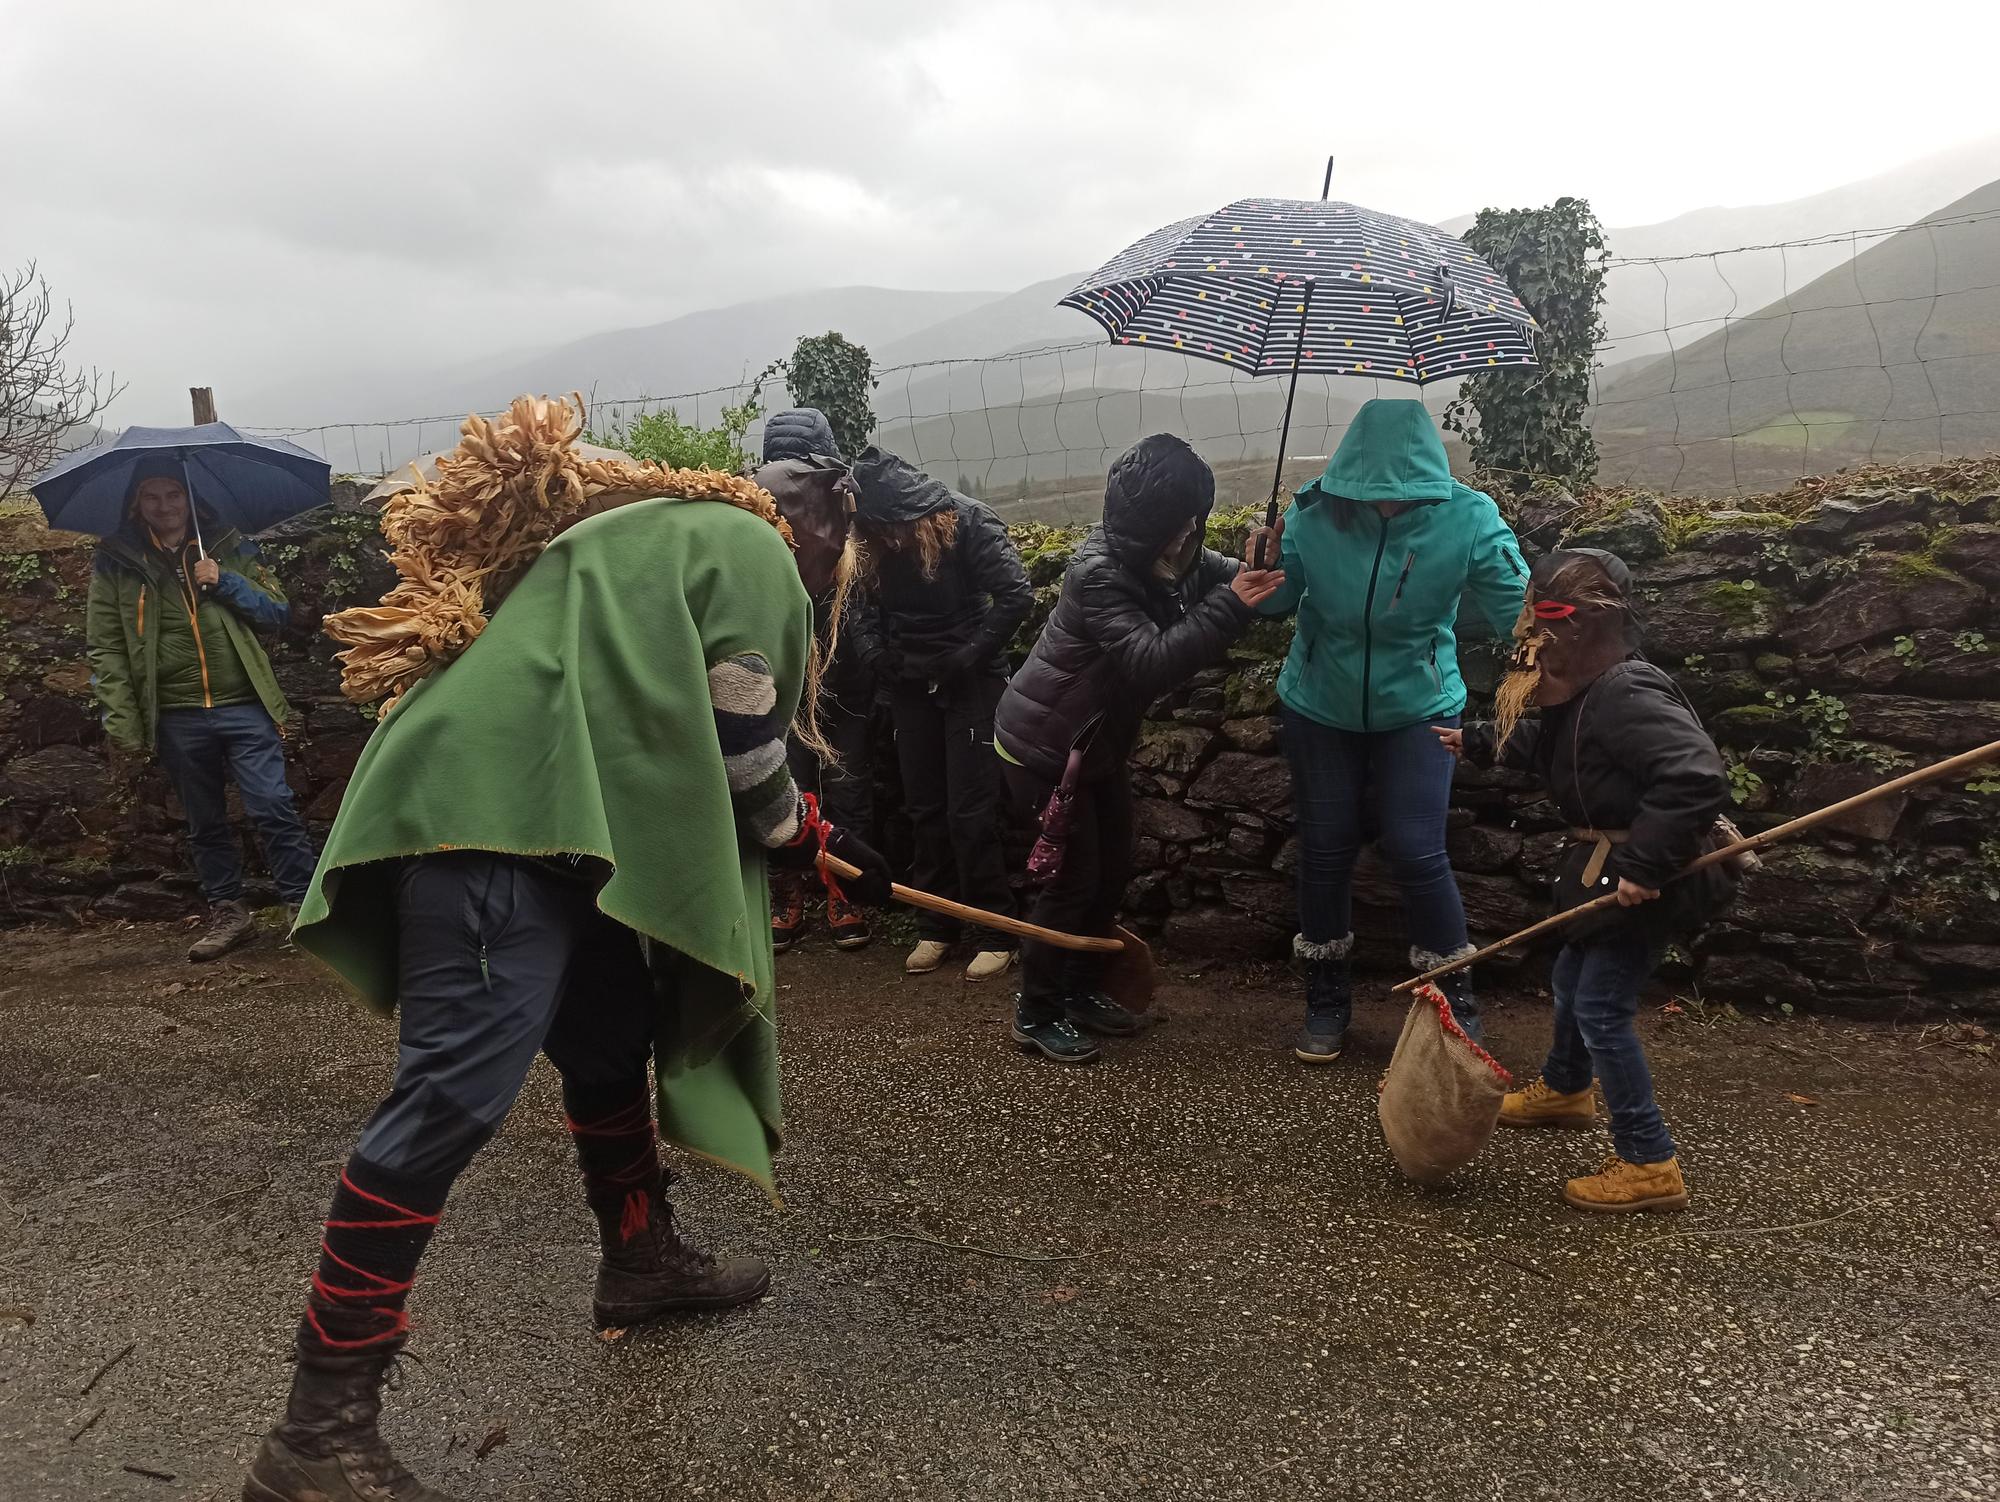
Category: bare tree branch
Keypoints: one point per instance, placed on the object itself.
(46, 406)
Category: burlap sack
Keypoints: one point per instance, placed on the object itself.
(1441, 1098)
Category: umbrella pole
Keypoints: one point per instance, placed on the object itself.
(1285, 433)
(194, 516)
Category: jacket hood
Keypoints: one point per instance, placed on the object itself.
(799, 433)
(892, 491)
(1154, 489)
(1392, 452)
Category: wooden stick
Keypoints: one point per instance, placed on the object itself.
(1963, 762)
(935, 904)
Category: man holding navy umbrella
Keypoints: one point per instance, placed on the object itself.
(177, 596)
(179, 672)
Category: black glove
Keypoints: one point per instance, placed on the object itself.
(871, 887)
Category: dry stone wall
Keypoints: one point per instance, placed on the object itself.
(1825, 652)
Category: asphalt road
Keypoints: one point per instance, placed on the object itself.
(1189, 1272)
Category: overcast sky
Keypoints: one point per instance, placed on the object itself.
(233, 192)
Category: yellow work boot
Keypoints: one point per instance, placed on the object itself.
(1621, 1186)
(1540, 1105)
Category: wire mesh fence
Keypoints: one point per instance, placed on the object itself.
(1724, 372)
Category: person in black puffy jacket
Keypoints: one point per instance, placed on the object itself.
(947, 592)
(1143, 606)
(1627, 763)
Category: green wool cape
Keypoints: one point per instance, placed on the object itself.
(579, 722)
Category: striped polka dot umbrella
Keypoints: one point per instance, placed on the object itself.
(1345, 290)
(1271, 286)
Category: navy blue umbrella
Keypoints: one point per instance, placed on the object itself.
(245, 483)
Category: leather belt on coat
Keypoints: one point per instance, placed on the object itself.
(1601, 841)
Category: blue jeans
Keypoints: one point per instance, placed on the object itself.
(1597, 1002)
(197, 746)
(1402, 777)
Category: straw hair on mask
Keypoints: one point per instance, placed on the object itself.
(461, 541)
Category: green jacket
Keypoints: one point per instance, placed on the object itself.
(1377, 598)
(133, 590)
(579, 723)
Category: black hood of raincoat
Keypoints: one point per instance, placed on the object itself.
(1154, 489)
(893, 491)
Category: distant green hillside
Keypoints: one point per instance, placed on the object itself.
(1895, 355)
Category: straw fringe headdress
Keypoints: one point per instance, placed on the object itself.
(461, 541)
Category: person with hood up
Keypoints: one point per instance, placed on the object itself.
(556, 841)
(948, 593)
(178, 672)
(1626, 761)
(802, 436)
(1378, 552)
(1143, 605)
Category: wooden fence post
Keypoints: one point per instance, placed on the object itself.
(204, 404)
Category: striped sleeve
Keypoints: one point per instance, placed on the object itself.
(752, 733)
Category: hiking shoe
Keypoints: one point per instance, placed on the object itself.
(1542, 1105)
(1095, 1012)
(1058, 1040)
(1320, 1040)
(927, 956)
(989, 963)
(849, 924)
(230, 926)
(788, 914)
(1621, 1187)
(328, 1449)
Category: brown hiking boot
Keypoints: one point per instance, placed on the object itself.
(230, 926)
(647, 1269)
(788, 912)
(848, 923)
(1540, 1105)
(328, 1448)
(1622, 1186)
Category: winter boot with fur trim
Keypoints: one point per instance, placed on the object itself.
(1329, 998)
(1457, 988)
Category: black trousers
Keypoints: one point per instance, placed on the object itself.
(846, 789)
(951, 791)
(501, 959)
(1085, 895)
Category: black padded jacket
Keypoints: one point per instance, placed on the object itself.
(1120, 635)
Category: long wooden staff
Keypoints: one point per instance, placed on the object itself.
(935, 904)
(1965, 761)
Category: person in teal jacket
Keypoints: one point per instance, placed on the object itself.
(1377, 554)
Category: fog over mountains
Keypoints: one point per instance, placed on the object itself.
(1047, 417)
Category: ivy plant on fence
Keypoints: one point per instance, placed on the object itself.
(828, 372)
(1531, 423)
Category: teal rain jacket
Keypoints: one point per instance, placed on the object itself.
(1377, 597)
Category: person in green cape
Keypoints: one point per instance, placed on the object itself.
(557, 843)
